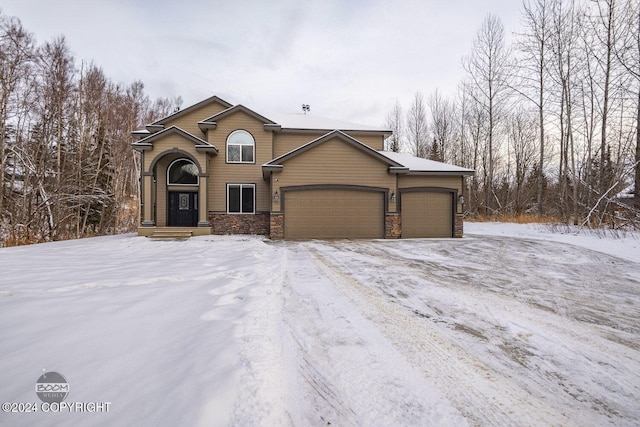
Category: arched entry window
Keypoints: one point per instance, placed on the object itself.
(182, 172)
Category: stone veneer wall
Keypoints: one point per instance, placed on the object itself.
(458, 226)
(277, 226)
(392, 226)
(240, 224)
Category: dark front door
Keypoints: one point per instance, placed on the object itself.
(183, 209)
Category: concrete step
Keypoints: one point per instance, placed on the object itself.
(171, 234)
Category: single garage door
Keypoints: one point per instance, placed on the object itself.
(327, 214)
(427, 214)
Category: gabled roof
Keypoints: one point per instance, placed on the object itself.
(210, 122)
(276, 164)
(299, 121)
(147, 143)
(421, 166)
(193, 107)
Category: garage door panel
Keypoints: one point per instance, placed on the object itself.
(334, 214)
(427, 214)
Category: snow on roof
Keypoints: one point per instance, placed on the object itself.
(313, 122)
(417, 164)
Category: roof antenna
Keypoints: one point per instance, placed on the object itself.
(306, 107)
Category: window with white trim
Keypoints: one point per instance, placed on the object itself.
(182, 172)
(241, 198)
(240, 147)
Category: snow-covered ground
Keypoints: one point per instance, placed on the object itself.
(511, 325)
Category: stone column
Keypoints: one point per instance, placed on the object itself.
(392, 226)
(458, 225)
(276, 226)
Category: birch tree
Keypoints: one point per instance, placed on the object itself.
(394, 122)
(417, 127)
(533, 45)
(487, 67)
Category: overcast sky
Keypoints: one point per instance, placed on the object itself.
(349, 59)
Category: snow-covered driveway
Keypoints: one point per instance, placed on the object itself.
(485, 330)
(510, 332)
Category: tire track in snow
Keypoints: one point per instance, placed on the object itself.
(348, 372)
(575, 371)
(483, 396)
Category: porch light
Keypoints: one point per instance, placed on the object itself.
(461, 199)
(392, 197)
(276, 196)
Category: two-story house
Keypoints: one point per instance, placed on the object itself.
(223, 169)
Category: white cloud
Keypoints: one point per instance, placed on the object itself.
(347, 59)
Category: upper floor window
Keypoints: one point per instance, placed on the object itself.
(240, 147)
(182, 172)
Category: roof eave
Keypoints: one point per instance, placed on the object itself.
(268, 169)
(205, 126)
(193, 107)
(140, 133)
(207, 148)
(154, 128)
(449, 173)
(145, 146)
(272, 127)
(398, 170)
(325, 130)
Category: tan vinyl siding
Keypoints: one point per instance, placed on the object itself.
(170, 142)
(223, 173)
(335, 162)
(189, 122)
(375, 141)
(405, 181)
(285, 142)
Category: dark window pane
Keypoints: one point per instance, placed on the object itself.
(247, 199)
(234, 198)
(247, 153)
(233, 153)
(183, 172)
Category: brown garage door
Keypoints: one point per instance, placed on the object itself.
(326, 214)
(426, 214)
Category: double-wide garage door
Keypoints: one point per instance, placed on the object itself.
(427, 214)
(331, 213)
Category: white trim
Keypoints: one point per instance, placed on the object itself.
(254, 198)
(253, 145)
(183, 185)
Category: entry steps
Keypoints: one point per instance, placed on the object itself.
(171, 234)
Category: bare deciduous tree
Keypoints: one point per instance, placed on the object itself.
(417, 127)
(487, 67)
(394, 122)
